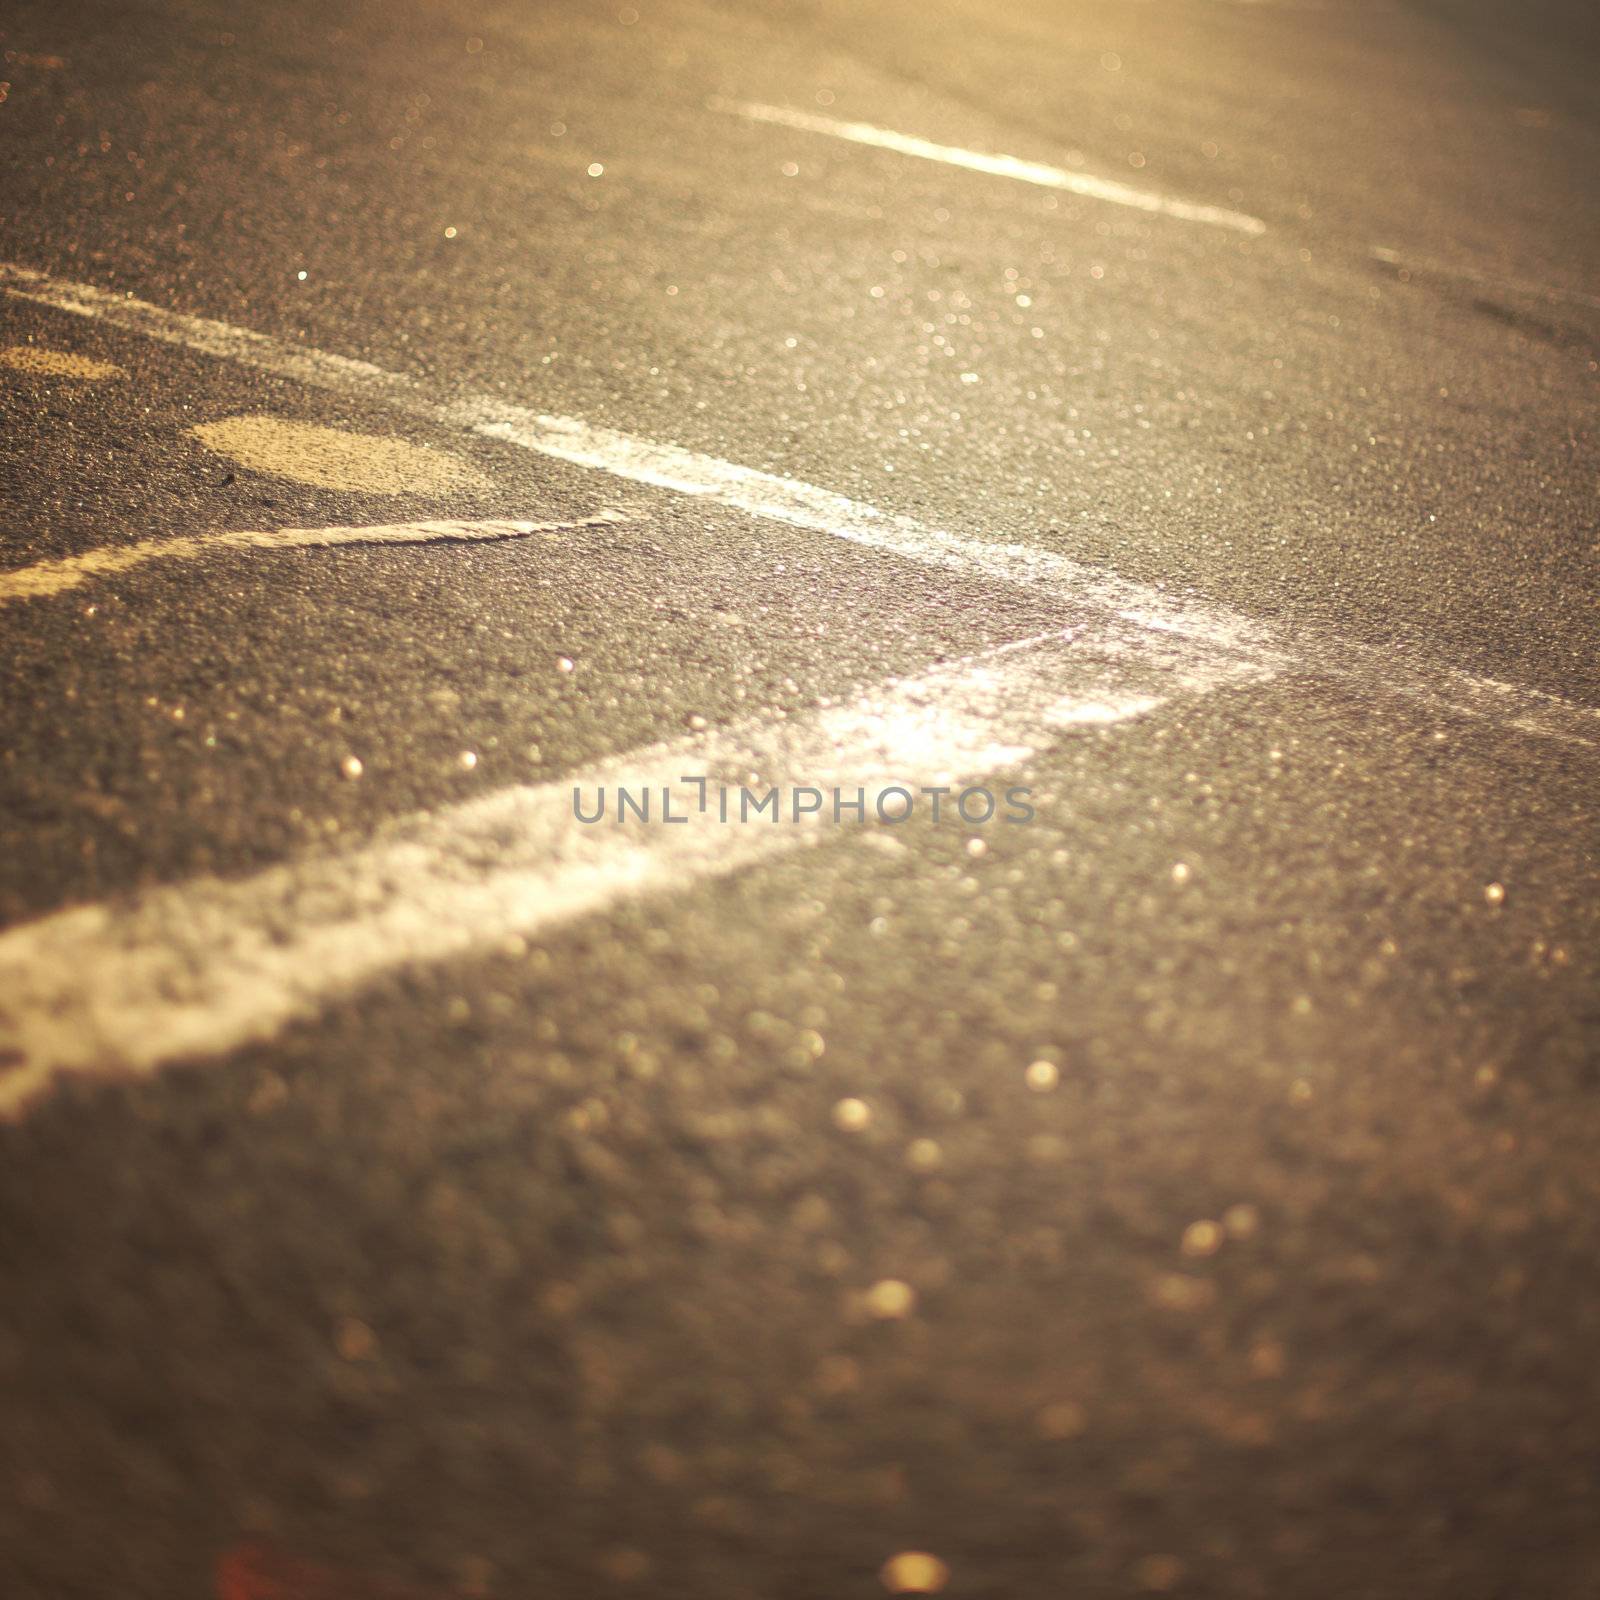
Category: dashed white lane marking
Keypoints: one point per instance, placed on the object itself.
(200, 968)
(1430, 267)
(54, 577)
(1034, 172)
(1207, 631)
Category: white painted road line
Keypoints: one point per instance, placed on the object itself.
(53, 577)
(196, 969)
(1034, 172)
(1084, 591)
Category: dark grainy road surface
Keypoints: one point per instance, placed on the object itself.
(407, 1190)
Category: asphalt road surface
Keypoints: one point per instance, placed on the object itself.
(1171, 423)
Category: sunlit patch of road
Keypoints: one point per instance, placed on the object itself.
(336, 458)
(39, 362)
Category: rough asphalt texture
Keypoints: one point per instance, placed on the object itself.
(547, 1274)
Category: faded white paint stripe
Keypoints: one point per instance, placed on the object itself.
(45, 578)
(1034, 172)
(1081, 590)
(200, 968)
(1429, 266)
